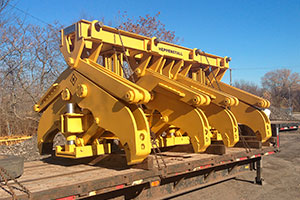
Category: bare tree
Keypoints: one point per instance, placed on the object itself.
(3, 4)
(283, 86)
(30, 61)
(249, 87)
(149, 26)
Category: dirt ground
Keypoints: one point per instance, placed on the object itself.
(281, 173)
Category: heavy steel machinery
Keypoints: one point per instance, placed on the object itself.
(143, 92)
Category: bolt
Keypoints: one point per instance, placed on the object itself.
(156, 41)
(198, 52)
(97, 120)
(129, 96)
(165, 119)
(138, 71)
(81, 90)
(227, 101)
(66, 95)
(196, 100)
(98, 26)
(71, 61)
(142, 136)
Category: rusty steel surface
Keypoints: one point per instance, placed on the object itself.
(57, 178)
(5, 177)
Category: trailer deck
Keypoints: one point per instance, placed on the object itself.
(285, 125)
(108, 176)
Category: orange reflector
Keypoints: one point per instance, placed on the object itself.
(154, 183)
(243, 158)
(67, 198)
(119, 186)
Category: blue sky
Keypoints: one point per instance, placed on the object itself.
(259, 35)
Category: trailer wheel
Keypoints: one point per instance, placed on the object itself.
(13, 165)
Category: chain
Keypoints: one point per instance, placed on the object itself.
(210, 81)
(211, 71)
(246, 146)
(126, 58)
(156, 151)
(3, 172)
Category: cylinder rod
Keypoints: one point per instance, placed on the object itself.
(70, 108)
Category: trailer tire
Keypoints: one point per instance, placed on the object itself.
(13, 165)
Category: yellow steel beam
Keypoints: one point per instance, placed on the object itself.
(245, 96)
(91, 31)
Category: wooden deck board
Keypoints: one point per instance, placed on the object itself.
(47, 175)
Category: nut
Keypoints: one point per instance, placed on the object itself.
(81, 90)
(129, 96)
(97, 120)
(66, 95)
(165, 119)
(142, 136)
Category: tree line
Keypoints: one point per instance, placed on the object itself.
(281, 87)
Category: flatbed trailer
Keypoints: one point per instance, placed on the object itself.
(105, 178)
(285, 125)
(282, 126)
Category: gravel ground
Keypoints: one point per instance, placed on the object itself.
(280, 114)
(28, 149)
(281, 173)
